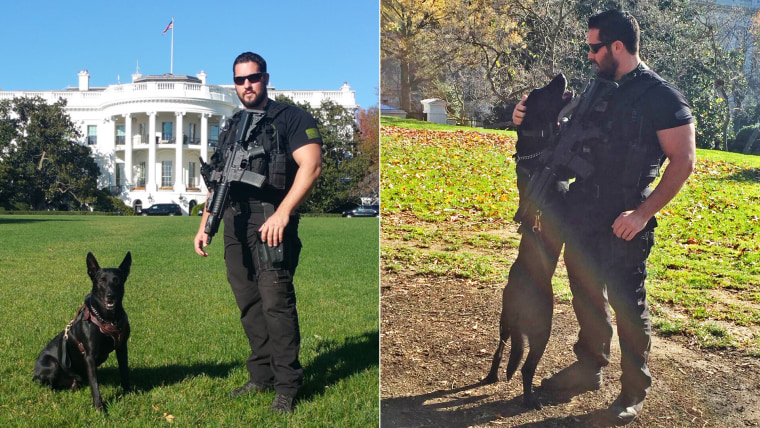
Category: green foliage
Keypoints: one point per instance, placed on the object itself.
(42, 166)
(737, 145)
(196, 209)
(105, 202)
(187, 350)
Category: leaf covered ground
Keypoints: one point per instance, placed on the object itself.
(447, 243)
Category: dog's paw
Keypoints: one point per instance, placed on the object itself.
(532, 402)
(491, 378)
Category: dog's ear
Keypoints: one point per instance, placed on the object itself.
(92, 265)
(558, 84)
(126, 264)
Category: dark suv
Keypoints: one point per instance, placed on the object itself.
(162, 209)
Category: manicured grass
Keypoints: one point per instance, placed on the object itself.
(187, 349)
(449, 196)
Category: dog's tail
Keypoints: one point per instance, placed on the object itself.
(515, 353)
(504, 333)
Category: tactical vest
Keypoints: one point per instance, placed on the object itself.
(276, 164)
(622, 146)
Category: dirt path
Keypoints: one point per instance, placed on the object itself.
(438, 335)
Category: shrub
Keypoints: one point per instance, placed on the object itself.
(738, 143)
(197, 208)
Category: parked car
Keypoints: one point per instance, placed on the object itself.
(162, 209)
(363, 211)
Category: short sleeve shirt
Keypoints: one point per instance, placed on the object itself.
(297, 127)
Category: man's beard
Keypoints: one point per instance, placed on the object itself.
(258, 100)
(606, 68)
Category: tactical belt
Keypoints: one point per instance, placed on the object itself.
(253, 207)
(599, 191)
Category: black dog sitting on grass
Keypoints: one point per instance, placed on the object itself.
(527, 302)
(99, 327)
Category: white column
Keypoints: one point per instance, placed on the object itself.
(128, 151)
(150, 180)
(204, 148)
(179, 185)
(110, 150)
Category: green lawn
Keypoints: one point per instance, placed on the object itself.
(187, 349)
(449, 194)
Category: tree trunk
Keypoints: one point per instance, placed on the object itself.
(406, 92)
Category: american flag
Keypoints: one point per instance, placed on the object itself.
(169, 27)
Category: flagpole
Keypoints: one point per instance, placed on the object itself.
(171, 67)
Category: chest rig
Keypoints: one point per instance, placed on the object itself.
(274, 163)
(621, 144)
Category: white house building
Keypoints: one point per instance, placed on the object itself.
(147, 136)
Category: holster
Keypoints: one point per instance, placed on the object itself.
(271, 258)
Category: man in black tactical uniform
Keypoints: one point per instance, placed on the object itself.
(261, 244)
(610, 220)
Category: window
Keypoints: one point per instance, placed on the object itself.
(192, 133)
(141, 175)
(92, 135)
(120, 134)
(166, 131)
(192, 175)
(213, 135)
(119, 174)
(166, 173)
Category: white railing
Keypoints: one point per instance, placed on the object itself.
(129, 91)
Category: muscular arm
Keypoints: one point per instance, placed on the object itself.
(679, 146)
(309, 160)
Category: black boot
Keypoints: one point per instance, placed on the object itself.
(282, 403)
(625, 408)
(574, 379)
(249, 387)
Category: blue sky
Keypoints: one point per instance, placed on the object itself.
(308, 45)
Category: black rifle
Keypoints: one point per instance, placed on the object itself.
(562, 157)
(235, 169)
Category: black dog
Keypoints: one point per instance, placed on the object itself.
(527, 301)
(99, 327)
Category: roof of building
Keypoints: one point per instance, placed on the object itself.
(168, 78)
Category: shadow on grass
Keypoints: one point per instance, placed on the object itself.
(335, 362)
(746, 175)
(339, 360)
(147, 378)
(31, 219)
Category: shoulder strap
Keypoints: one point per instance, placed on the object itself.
(274, 108)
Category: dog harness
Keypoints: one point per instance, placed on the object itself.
(115, 330)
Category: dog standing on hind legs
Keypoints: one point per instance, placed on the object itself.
(528, 299)
(99, 327)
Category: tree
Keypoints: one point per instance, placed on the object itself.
(42, 166)
(369, 152)
(410, 54)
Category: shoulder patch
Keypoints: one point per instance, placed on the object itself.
(312, 133)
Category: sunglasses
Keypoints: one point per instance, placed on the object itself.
(253, 78)
(594, 47)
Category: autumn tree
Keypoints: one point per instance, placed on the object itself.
(411, 54)
(369, 152)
